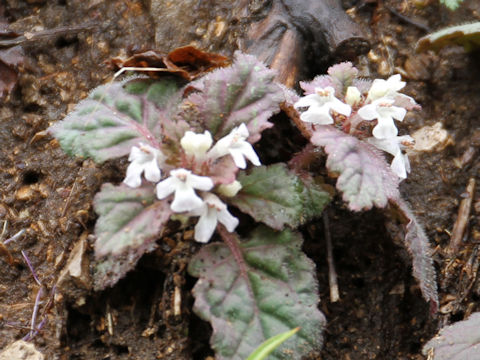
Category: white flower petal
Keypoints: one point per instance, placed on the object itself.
(206, 226)
(196, 144)
(320, 104)
(308, 100)
(135, 153)
(242, 131)
(341, 107)
(317, 115)
(398, 113)
(143, 159)
(390, 145)
(166, 187)
(152, 172)
(185, 199)
(399, 165)
(236, 145)
(386, 88)
(203, 183)
(368, 112)
(238, 158)
(385, 128)
(407, 163)
(395, 83)
(227, 219)
(247, 150)
(199, 211)
(134, 175)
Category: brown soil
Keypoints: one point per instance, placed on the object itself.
(381, 314)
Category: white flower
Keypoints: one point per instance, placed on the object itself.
(383, 110)
(235, 145)
(352, 96)
(211, 212)
(230, 190)
(386, 88)
(196, 144)
(400, 164)
(143, 159)
(320, 104)
(183, 183)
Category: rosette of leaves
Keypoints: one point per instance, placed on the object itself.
(250, 289)
(364, 178)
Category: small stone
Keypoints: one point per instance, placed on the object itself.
(77, 267)
(25, 193)
(431, 138)
(21, 350)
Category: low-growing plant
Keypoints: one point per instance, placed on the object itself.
(451, 4)
(190, 147)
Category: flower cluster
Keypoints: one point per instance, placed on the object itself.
(382, 103)
(184, 184)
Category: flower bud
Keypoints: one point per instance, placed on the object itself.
(196, 144)
(230, 190)
(353, 96)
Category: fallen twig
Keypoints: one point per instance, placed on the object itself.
(332, 274)
(15, 237)
(27, 260)
(35, 36)
(462, 218)
(408, 20)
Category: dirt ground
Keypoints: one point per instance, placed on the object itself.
(381, 314)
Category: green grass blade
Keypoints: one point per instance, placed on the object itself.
(269, 345)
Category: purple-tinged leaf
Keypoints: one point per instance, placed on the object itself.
(224, 171)
(242, 93)
(117, 116)
(320, 81)
(130, 220)
(253, 290)
(364, 177)
(459, 341)
(417, 244)
(342, 76)
(362, 84)
(290, 96)
(278, 197)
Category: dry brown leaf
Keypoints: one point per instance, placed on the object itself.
(187, 62)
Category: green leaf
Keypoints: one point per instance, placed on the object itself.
(264, 286)
(130, 220)
(119, 115)
(459, 341)
(271, 344)
(278, 197)
(364, 177)
(451, 4)
(242, 93)
(466, 35)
